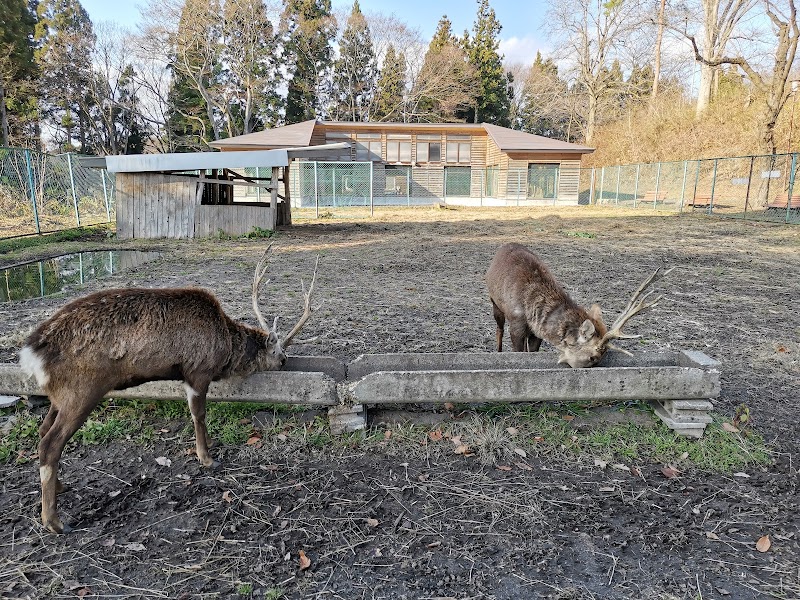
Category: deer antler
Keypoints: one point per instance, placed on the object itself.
(636, 304)
(258, 276)
(306, 311)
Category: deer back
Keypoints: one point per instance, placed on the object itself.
(522, 287)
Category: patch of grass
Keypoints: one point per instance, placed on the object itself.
(258, 232)
(578, 234)
(67, 235)
(244, 589)
(274, 594)
(22, 439)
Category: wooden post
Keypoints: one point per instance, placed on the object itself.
(287, 206)
(273, 201)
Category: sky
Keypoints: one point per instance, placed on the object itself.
(520, 38)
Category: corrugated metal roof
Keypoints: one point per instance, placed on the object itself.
(288, 136)
(196, 161)
(511, 140)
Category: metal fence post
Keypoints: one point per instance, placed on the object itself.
(258, 187)
(105, 196)
(72, 185)
(713, 185)
(444, 186)
(333, 179)
(591, 188)
(371, 200)
(408, 186)
(791, 187)
(616, 197)
(747, 191)
(683, 185)
(602, 183)
(658, 184)
(33, 191)
(519, 185)
(316, 191)
(696, 182)
(636, 185)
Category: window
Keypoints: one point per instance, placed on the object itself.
(458, 181)
(368, 146)
(398, 151)
(458, 152)
(429, 152)
(543, 181)
(397, 180)
(367, 150)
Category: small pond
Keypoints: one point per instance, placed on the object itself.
(54, 275)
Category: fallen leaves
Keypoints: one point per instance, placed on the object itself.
(763, 544)
(227, 496)
(372, 522)
(670, 472)
(730, 428)
(436, 435)
(164, 461)
(305, 562)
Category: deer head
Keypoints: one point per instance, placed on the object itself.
(586, 346)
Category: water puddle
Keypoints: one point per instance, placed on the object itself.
(54, 275)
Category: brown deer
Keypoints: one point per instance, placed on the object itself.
(524, 292)
(119, 338)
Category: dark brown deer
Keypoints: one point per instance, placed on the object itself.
(119, 338)
(525, 293)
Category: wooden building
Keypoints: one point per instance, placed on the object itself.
(191, 194)
(443, 160)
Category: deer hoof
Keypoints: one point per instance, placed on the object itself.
(56, 526)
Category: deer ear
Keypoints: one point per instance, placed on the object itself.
(595, 312)
(586, 331)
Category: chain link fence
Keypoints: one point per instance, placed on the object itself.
(763, 188)
(43, 192)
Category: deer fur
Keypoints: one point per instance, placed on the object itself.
(525, 293)
(120, 338)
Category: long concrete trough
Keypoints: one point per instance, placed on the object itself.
(680, 385)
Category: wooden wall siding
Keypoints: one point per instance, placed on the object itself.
(152, 205)
(427, 183)
(232, 220)
(569, 180)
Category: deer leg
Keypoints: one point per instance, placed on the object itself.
(43, 429)
(500, 318)
(60, 429)
(533, 343)
(519, 334)
(196, 396)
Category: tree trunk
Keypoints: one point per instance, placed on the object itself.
(704, 90)
(3, 117)
(591, 118)
(659, 38)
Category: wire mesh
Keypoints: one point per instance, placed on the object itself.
(42, 192)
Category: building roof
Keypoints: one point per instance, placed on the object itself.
(300, 134)
(511, 140)
(288, 136)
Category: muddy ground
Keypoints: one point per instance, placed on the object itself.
(425, 523)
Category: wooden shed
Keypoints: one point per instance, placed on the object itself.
(192, 195)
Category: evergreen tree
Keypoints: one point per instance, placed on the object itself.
(391, 87)
(443, 36)
(355, 70)
(65, 39)
(17, 73)
(307, 30)
(493, 103)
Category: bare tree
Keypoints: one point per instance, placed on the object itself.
(773, 86)
(719, 21)
(590, 34)
(445, 84)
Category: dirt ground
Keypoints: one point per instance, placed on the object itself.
(431, 524)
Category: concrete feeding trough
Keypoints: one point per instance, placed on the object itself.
(679, 385)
